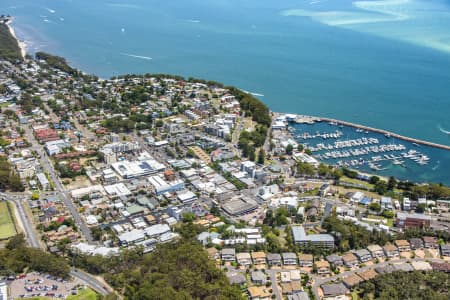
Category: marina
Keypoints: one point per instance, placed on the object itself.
(365, 129)
(372, 150)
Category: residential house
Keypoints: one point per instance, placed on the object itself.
(296, 287)
(289, 258)
(323, 267)
(430, 242)
(259, 293)
(416, 243)
(285, 276)
(274, 259)
(386, 269)
(363, 255)
(350, 260)
(368, 274)
(286, 288)
(259, 258)
(228, 254)
(236, 278)
(402, 245)
(352, 280)
(298, 296)
(305, 260)
(376, 251)
(421, 266)
(390, 251)
(403, 267)
(258, 277)
(335, 260)
(244, 258)
(334, 291)
(445, 250)
(296, 275)
(213, 253)
(441, 266)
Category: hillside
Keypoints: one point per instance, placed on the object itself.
(9, 48)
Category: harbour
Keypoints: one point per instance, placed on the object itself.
(362, 128)
(370, 150)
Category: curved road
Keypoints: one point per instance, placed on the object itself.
(91, 281)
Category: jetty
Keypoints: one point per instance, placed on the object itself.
(312, 119)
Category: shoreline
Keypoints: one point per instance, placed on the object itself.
(298, 118)
(22, 44)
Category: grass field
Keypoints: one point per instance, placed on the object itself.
(86, 294)
(7, 228)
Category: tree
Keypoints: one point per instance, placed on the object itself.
(375, 206)
(289, 149)
(261, 156)
(252, 154)
(388, 214)
(304, 168)
(380, 187)
(323, 170)
(374, 179)
(300, 148)
(421, 208)
(392, 183)
(188, 217)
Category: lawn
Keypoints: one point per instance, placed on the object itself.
(7, 228)
(85, 294)
(356, 181)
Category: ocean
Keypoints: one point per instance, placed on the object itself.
(384, 63)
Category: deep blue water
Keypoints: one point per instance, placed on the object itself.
(384, 64)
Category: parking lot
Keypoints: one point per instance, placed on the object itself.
(42, 285)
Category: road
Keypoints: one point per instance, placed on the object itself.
(30, 233)
(273, 279)
(59, 187)
(26, 223)
(91, 281)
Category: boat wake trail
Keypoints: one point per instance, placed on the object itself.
(443, 130)
(136, 56)
(436, 166)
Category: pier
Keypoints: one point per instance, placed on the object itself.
(312, 119)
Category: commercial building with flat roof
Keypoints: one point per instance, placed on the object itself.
(239, 206)
(130, 169)
(405, 220)
(317, 240)
(161, 186)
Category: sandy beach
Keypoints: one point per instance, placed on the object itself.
(22, 45)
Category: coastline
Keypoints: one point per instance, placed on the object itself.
(297, 118)
(22, 45)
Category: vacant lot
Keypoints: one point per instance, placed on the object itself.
(7, 228)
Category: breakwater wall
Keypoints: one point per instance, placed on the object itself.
(310, 119)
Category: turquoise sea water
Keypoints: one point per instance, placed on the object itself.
(381, 63)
